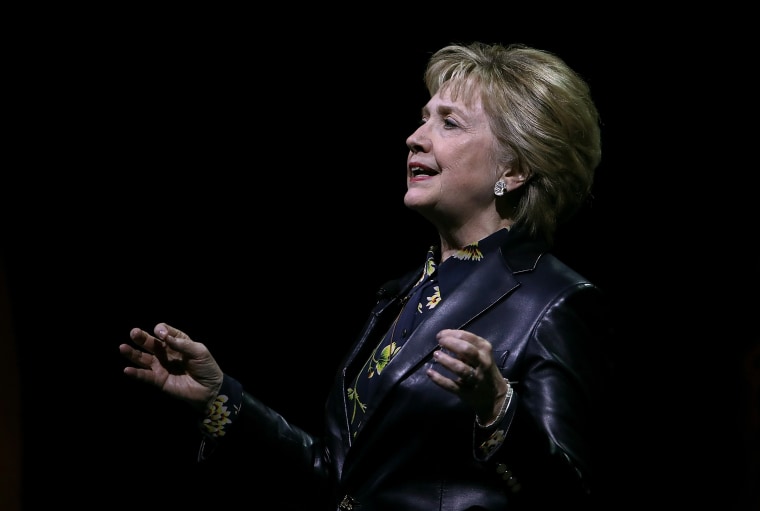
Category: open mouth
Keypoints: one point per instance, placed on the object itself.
(419, 171)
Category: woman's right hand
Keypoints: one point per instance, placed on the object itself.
(174, 363)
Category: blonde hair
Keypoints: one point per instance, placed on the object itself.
(544, 119)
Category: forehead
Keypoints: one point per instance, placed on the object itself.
(464, 102)
(464, 90)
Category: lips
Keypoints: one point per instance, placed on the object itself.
(417, 170)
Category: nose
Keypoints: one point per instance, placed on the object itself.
(417, 141)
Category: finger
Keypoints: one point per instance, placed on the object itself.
(461, 350)
(456, 385)
(442, 381)
(144, 340)
(469, 379)
(135, 356)
(162, 330)
(468, 347)
(463, 336)
(141, 374)
(138, 335)
(461, 373)
(185, 346)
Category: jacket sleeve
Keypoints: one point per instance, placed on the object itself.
(240, 427)
(544, 447)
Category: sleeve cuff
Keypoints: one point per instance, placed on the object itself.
(220, 415)
(489, 437)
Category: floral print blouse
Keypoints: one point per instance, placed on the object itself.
(425, 296)
(434, 284)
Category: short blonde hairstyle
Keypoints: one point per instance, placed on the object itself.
(544, 119)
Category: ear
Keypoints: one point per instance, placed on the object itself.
(513, 178)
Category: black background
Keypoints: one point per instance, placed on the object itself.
(242, 178)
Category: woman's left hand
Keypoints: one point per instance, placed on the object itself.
(474, 375)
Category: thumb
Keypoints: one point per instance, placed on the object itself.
(161, 330)
(178, 340)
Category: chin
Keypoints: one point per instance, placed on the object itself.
(415, 200)
(412, 204)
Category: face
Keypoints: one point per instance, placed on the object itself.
(451, 166)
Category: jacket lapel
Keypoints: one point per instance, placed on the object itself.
(386, 307)
(476, 294)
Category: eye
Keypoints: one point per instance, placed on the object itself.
(449, 123)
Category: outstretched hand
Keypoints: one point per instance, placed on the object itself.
(174, 363)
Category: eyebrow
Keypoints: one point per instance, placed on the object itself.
(445, 108)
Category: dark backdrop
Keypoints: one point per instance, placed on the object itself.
(247, 188)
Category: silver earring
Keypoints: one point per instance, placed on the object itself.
(499, 187)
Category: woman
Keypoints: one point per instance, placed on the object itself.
(475, 382)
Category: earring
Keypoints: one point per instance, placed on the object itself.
(499, 188)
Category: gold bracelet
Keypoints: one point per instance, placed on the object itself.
(502, 412)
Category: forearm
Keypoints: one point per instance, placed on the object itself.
(238, 422)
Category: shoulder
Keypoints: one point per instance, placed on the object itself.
(533, 264)
(545, 283)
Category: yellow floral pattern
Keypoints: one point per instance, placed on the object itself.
(217, 417)
(426, 295)
(434, 300)
(386, 354)
(494, 440)
(471, 252)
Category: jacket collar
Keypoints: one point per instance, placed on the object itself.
(487, 284)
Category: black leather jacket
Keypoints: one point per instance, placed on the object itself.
(417, 450)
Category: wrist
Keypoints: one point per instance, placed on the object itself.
(223, 408)
(502, 409)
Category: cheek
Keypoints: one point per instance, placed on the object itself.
(471, 156)
(470, 176)
(468, 168)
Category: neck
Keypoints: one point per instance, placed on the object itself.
(453, 240)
